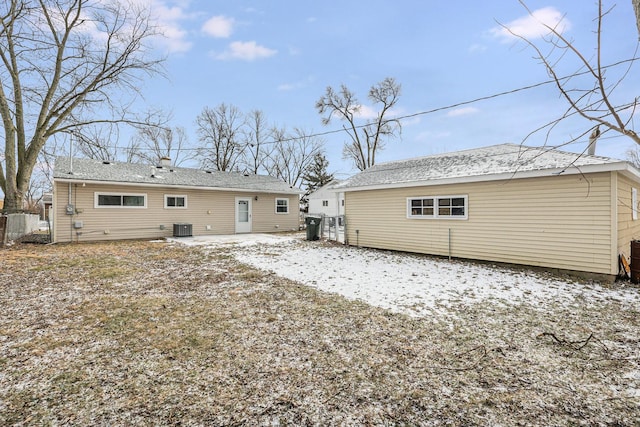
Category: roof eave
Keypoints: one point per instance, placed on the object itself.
(177, 186)
(587, 169)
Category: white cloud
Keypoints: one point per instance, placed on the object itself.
(164, 20)
(289, 86)
(477, 48)
(366, 112)
(168, 21)
(219, 27)
(297, 85)
(531, 26)
(246, 51)
(464, 111)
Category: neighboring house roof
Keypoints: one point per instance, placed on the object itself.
(88, 170)
(505, 161)
(324, 191)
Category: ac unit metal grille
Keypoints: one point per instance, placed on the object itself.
(182, 230)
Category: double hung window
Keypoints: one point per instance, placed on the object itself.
(172, 201)
(282, 206)
(434, 207)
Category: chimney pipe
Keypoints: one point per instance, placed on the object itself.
(592, 141)
(165, 162)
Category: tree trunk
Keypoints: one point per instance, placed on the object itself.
(636, 8)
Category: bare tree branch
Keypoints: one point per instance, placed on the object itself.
(636, 8)
(292, 154)
(220, 130)
(365, 141)
(63, 64)
(257, 149)
(594, 99)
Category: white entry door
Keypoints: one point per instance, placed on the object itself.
(243, 215)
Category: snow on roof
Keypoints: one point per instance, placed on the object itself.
(505, 160)
(131, 173)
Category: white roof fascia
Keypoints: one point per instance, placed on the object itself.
(572, 170)
(632, 172)
(185, 187)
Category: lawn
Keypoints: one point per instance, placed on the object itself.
(154, 333)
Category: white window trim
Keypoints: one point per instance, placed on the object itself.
(276, 207)
(175, 207)
(634, 203)
(435, 207)
(97, 194)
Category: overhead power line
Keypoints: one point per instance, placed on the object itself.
(425, 112)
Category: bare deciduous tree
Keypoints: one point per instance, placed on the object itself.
(61, 65)
(257, 148)
(633, 156)
(220, 130)
(367, 138)
(152, 143)
(589, 91)
(292, 154)
(96, 142)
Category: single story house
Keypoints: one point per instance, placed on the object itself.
(505, 203)
(100, 200)
(323, 201)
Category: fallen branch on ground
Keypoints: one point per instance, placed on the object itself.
(572, 344)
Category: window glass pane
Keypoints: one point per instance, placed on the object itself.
(282, 205)
(458, 201)
(427, 202)
(107, 200)
(444, 211)
(428, 211)
(416, 202)
(132, 201)
(180, 202)
(444, 202)
(457, 211)
(171, 202)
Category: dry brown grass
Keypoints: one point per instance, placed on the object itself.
(140, 333)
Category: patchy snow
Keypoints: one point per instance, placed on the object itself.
(413, 284)
(236, 240)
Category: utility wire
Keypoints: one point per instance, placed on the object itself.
(422, 113)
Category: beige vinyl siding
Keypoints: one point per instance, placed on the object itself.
(265, 218)
(560, 222)
(215, 209)
(628, 229)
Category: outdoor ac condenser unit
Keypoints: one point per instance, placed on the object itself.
(182, 230)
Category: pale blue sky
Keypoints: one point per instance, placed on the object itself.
(279, 56)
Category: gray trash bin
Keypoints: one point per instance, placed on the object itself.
(313, 227)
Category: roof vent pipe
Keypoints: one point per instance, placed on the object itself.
(165, 162)
(592, 141)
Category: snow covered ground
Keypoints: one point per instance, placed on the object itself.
(413, 284)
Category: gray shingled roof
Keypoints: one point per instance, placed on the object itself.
(476, 164)
(131, 173)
